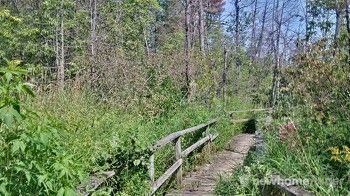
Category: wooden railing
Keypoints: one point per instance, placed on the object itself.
(98, 179)
(180, 154)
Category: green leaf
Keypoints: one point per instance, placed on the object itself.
(27, 88)
(18, 145)
(66, 191)
(28, 176)
(42, 179)
(3, 189)
(60, 192)
(69, 192)
(8, 115)
(8, 77)
(17, 107)
(44, 138)
(137, 162)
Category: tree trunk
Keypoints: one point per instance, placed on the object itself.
(276, 69)
(188, 48)
(306, 21)
(337, 27)
(253, 36)
(237, 9)
(146, 42)
(60, 75)
(201, 26)
(224, 76)
(93, 16)
(261, 36)
(347, 27)
(337, 22)
(237, 42)
(57, 42)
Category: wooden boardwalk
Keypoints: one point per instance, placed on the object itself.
(203, 180)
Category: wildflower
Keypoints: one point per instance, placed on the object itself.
(346, 151)
(288, 131)
(335, 154)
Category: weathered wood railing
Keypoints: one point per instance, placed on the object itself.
(98, 179)
(180, 154)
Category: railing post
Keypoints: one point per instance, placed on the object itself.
(209, 143)
(151, 170)
(178, 153)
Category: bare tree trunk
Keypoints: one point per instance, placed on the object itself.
(261, 36)
(57, 42)
(253, 36)
(337, 22)
(60, 75)
(347, 26)
(146, 42)
(237, 41)
(307, 34)
(193, 25)
(93, 16)
(237, 9)
(224, 76)
(201, 26)
(276, 69)
(93, 34)
(188, 48)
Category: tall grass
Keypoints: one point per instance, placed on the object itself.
(98, 135)
(309, 158)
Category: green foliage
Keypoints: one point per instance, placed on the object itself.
(16, 38)
(11, 87)
(72, 134)
(320, 82)
(310, 159)
(244, 181)
(136, 20)
(173, 44)
(31, 158)
(314, 95)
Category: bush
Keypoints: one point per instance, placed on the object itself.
(32, 160)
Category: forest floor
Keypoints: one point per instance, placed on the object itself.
(202, 180)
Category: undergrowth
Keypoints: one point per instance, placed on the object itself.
(54, 141)
(311, 158)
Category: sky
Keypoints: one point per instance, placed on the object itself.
(296, 7)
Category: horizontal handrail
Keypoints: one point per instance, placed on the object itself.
(171, 137)
(96, 180)
(176, 168)
(200, 142)
(166, 176)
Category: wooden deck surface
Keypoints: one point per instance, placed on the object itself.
(203, 180)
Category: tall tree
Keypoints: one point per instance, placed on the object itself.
(188, 7)
(262, 31)
(276, 69)
(237, 40)
(253, 33)
(93, 20)
(347, 17)
(338, 12)
(61, 67)
(201, 25)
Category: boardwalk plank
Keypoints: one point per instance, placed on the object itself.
(203, 180)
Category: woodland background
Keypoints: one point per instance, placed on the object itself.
(104, 73)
